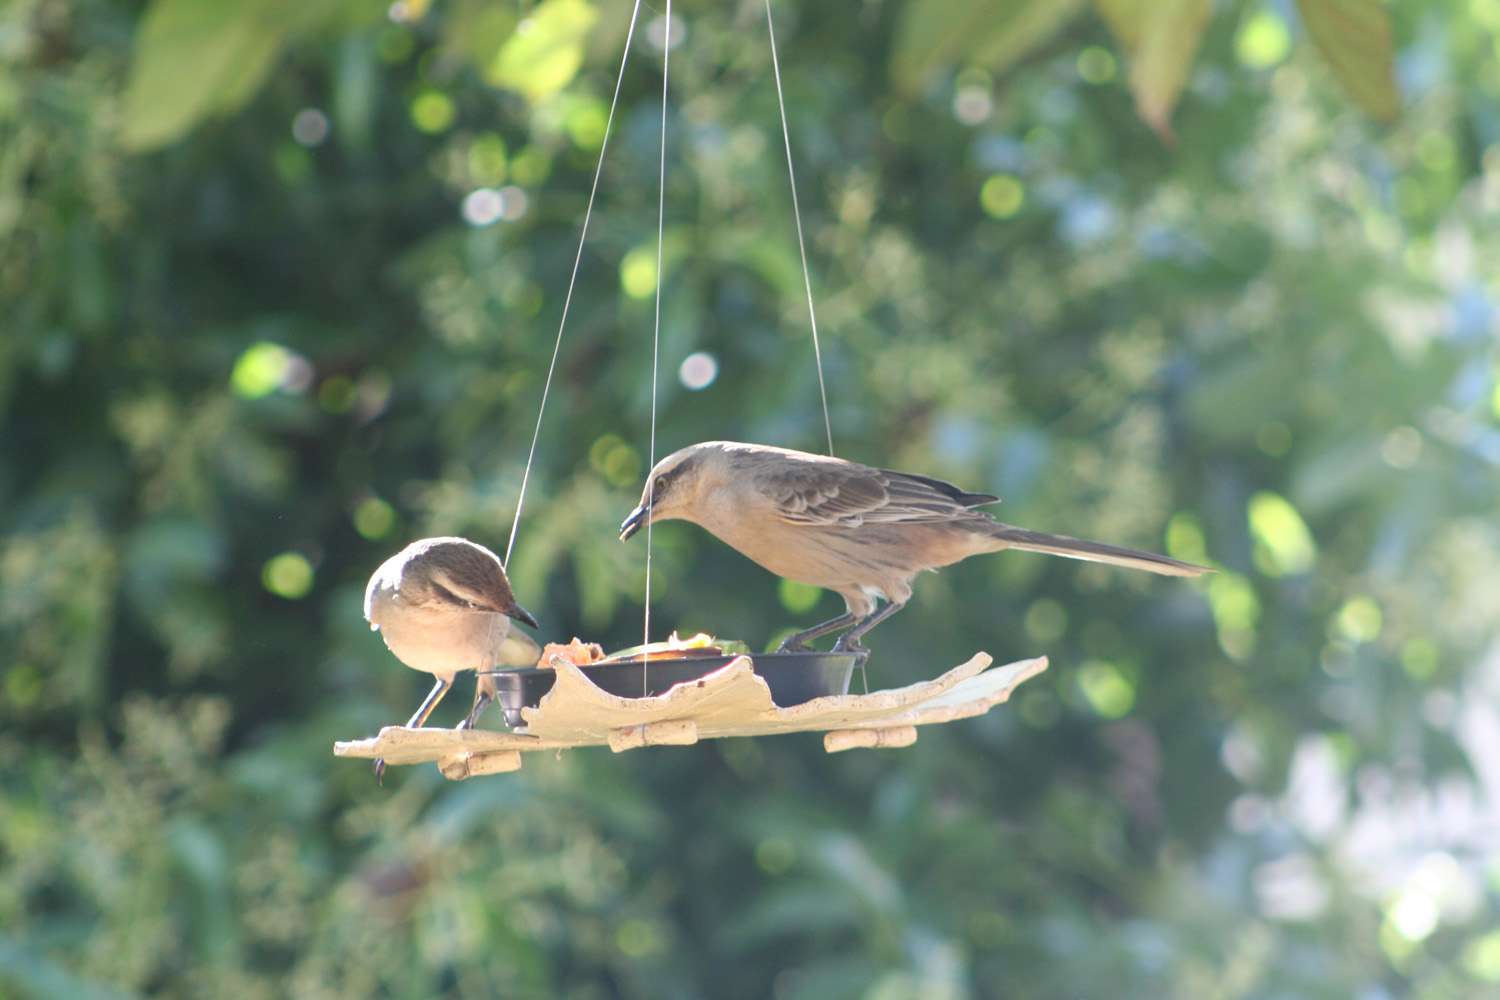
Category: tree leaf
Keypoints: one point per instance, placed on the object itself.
(547, 49)
(995, 34)
(194, 58)
(1354, 37)
(1161, 38)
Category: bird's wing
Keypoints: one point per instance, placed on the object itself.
(852, 495)
(925, 490)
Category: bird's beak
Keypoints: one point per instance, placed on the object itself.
(521, 615)
(637, 520)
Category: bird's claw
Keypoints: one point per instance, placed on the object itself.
(794, 647)
(849, 647)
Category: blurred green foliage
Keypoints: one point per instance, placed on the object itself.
(279, 286)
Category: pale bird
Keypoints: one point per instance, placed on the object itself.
(863, 533)
(443, 605)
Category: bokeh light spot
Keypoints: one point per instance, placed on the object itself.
(775, 855)
(374, 518)
(1359, 620)
(1283, 545)
(896, 124)
(1414, 915)
(798, 598)
(660, 34)
(1236, 610)
(586, 122)
(972, 104)
(1096, 65)
(1419, 658)
(486, 160)
(1001, 196)
(1482, 957)
(637, 939)
(1263, 40)
(615, 460)
(265, 367)
(483, 207)
(433, 111)
(1039, 707)
(638, 272)
(337, 394)
(1185, 539)
(530, 166)
(513, 203)
(1338, 659)
(1046, 620)
(310, 127)
(288, 575)
(1106, 689)
(698, 370)
(23, 685)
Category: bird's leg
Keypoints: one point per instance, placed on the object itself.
(484, 693)
(797, 641)
(433, 697)
(484, 682)
(849, 641)
(423, 711)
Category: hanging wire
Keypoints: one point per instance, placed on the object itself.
(661, 213)
(572, 282)
(660, 240)
(812, 314)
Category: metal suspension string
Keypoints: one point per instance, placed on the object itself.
(661, 210)
(572, 282)
(812, 314)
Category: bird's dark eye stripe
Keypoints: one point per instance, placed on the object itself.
(665, 479)
(449, 595)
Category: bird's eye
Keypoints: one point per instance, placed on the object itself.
(661, 484)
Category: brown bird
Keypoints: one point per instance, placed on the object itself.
(861, 532)
(443, 605)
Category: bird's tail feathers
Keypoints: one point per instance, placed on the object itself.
(1078, 548)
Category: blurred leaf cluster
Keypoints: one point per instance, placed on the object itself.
(279, 290)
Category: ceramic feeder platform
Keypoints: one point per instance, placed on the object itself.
(793, 678)
(692, 697)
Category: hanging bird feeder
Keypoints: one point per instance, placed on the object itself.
(680, 692)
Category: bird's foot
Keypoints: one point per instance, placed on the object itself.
(852, 646)
(794, 647)
(379, 770)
